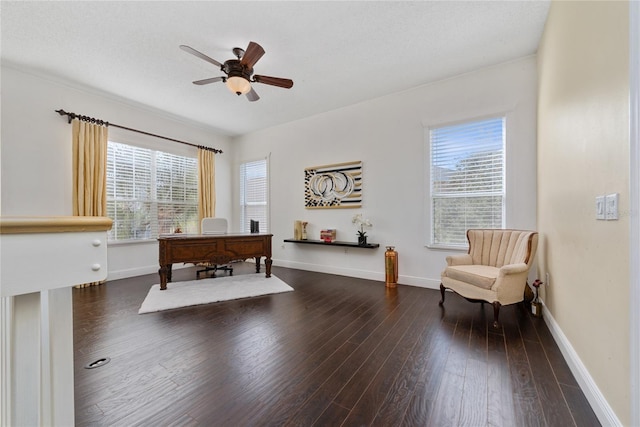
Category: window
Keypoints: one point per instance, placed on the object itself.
(150, 193)
(253, 194)
(466, 180)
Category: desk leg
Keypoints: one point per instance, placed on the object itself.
(165, 273)
(267, 263)
(257, 264)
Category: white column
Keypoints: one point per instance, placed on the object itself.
(37, 359)
(25, 360)
(6, 325)
(60, 362)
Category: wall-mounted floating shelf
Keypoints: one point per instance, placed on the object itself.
(335, 243)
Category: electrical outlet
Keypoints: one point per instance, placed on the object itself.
(547, 279)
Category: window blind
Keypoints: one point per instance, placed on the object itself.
(150, 192)
(467, 179)
(254, 194)
(177, 193)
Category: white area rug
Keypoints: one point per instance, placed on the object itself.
(205, 291)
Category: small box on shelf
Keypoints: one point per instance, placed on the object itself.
(328, 235)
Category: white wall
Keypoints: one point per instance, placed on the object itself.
(36, 152)
(388, 135)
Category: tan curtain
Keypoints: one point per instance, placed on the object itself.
(206, 183)
(89, 145)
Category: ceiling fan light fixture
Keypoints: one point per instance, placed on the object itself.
(238, 71)
(238, 85)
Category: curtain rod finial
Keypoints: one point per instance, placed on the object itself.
(64, 113)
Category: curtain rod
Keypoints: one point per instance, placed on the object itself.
(103, 123)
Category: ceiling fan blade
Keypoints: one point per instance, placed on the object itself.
(252, 95)
(274, 81)
(253, 53)
(200, 55)
(207, 81)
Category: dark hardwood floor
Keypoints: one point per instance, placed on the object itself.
(336, 351)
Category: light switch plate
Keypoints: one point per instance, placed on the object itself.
(611, 206)
(600, 207)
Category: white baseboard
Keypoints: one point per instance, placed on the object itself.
(362, 274)
(140, 271)
(601, 407)
(350, 272)
(420, 282)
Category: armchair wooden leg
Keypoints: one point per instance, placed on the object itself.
(496, 313)
(442, 295)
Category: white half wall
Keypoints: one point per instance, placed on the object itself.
(36, 152)
(388, 135)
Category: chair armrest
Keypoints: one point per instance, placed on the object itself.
(513, 269)
(510, 283)
(464, 259)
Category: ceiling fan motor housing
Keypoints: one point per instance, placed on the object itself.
(233, 68)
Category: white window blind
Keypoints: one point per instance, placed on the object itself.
(467, 179)
(150, 193)
(177, 193)
(254, 194)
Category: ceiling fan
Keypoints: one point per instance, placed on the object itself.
(239, 71)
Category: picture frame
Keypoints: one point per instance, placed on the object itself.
(333, 186)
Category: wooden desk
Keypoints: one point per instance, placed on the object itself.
(213, 248)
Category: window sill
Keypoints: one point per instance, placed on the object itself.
(448, 248)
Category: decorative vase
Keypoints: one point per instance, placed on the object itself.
(528, 294)
(391, 267)
(536, 308)
(297, 230)
(536, 305)
(362, 240)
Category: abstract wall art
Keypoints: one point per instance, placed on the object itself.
(333, 186)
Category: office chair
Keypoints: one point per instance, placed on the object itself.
(214, 226)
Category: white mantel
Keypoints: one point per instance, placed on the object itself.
(41, 258)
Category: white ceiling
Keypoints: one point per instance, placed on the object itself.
(337, 53)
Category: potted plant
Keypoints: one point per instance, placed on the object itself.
(361, 224)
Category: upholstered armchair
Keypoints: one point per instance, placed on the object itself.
(494, 270)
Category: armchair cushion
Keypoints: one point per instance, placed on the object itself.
(483, 276)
